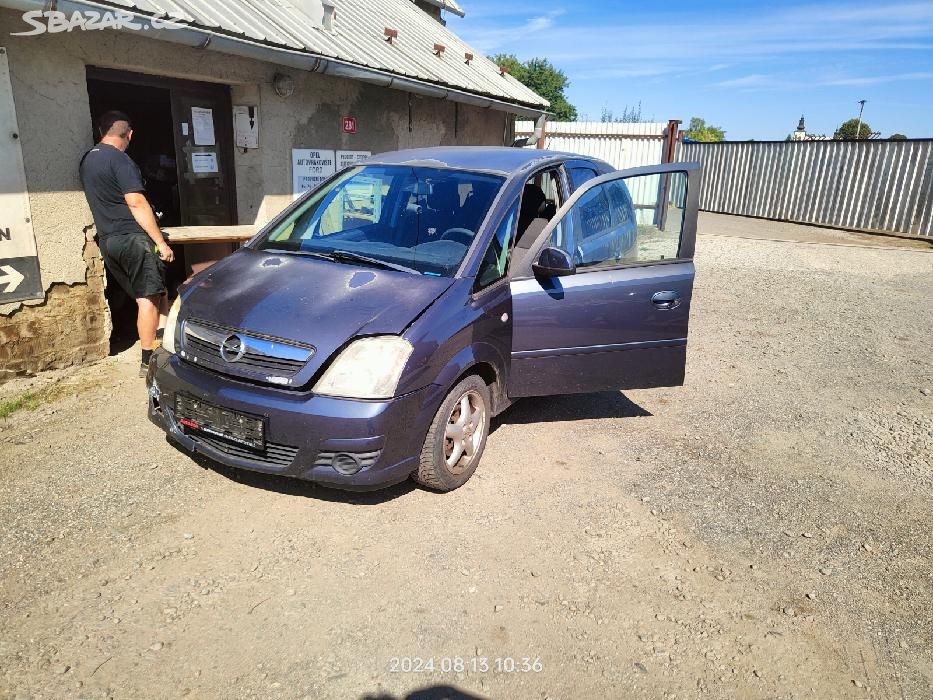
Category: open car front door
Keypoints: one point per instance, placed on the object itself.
(601, 298)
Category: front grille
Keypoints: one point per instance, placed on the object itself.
(273, 455)
(261, 356)
(281, 367)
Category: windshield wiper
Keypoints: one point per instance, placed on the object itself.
(309, 253)
(348, 256)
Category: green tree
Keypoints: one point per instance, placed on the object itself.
(898, 137)
(850, 130)
(546, 80)
(701, 131)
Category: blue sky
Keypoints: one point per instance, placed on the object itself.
(751, 68)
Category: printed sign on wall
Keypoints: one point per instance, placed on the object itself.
(205, 162)
(246, 126)
(310, 167)
(19, 262)
(202, 121)
(347, 158)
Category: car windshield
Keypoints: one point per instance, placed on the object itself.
(420, 220)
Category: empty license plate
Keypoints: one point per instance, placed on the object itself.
(241, 428)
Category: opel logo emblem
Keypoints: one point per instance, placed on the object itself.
(233, 348)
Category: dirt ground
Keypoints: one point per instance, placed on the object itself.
(762, 532)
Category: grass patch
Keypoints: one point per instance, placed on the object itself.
(31, 400)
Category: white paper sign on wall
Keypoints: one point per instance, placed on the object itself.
(246, 126)
(347, 158)
(202, 122)
(205, 162)
(19, 263)
(310, 167)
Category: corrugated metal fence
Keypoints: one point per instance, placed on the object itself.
(867, 185)
(620, 145)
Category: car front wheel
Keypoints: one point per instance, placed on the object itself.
(457, 438)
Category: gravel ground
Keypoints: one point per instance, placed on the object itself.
(762, 532)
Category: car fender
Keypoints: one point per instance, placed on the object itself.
(475, 355)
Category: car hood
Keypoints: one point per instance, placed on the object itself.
(314, 302)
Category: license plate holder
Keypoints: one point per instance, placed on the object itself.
(246, 429)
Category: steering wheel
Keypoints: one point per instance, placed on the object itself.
(459, 235)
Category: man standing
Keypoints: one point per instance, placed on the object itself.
(127, 231)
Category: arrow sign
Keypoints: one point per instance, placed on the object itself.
(11, 277)
(20, 279)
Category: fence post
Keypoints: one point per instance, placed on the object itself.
(671, 136)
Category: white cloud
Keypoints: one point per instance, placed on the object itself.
(879, 79)
(754, 80)
(491, 40)
(542, 22)
(697, 41)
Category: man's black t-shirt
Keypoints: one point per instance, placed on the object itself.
(108, 174)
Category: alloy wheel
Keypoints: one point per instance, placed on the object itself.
(464, 432)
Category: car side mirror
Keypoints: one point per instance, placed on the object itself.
(554, 262)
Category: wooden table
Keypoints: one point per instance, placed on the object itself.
(205, 245)
(186, 235)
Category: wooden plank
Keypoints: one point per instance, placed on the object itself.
(209, 234)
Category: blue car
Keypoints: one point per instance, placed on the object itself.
(370, 332)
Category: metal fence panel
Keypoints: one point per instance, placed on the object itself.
(862, 185)
(620, 145)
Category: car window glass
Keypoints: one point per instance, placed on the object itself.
(632, 220)
(357, 204)
(580, 175)
(659, 202)
(549, 182)
(420, 218)
(496, 259)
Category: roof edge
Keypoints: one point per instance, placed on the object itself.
(222, 42)
(450, 5)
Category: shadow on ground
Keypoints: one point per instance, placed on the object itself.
(546, 409)
(434, 692)
(553, 409)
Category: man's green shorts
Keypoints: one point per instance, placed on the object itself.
(134, 263)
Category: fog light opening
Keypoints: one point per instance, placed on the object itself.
(346, 464)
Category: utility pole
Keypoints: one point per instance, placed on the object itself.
(861, 108)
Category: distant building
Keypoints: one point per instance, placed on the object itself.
(800, 133)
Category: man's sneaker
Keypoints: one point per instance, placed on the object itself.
(143, 370)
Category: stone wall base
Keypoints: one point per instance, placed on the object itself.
(71, 327)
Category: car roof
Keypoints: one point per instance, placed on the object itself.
(499, 159)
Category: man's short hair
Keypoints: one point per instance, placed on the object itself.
(114, 123)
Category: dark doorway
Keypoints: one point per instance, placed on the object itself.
(172, 164)
(153, 150)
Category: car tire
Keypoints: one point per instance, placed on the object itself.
(454, 444)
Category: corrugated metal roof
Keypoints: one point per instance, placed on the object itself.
(357, 38)
(449, 5)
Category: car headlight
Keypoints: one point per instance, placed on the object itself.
(171, 325)
(368, 368)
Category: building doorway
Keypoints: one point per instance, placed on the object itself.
(183, 145)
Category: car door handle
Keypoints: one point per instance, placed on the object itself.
(666, 300)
